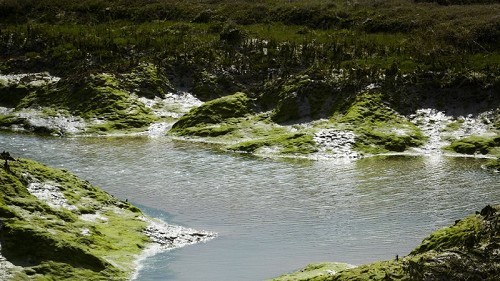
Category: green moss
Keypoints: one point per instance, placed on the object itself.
(494, 164)
(475, 144)
(9, 120)
(463, 251)
(378, 127)
(147, 80)
(49, 241)
(51, 270)
(212, 112)
(102, 96)
(378, 271)
(214, 130)
(44, 246)
(453, 126)
(317, 271)
(464, 232)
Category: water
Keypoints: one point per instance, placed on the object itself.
(272, 216)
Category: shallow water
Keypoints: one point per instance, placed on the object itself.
(272, 216)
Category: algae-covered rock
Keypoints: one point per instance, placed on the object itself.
(494, 164)
(44, 220)
(316, 271)
(475, 144)
(101, 99)
(212, 112)
(15, 87)
(467, 250)
(378, 127)
(55, 226)
(284, 143)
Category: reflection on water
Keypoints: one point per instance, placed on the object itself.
(272, 216)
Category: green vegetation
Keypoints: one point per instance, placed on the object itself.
(213, 112)
(296, 61)
(463, 251)
(465, 232)
(53, 241)
(475, 144)
(107, 100)
(379, 128)
(315, 271)
(494, 164)
(222, 47)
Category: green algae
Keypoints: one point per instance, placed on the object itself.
(463, 232)
(108, 101)
(494, 164)
(378, 271)
(466, 250)
(56, 243)
(316, 271)
(212, 112)
(146, 80)
(384, 270)
(378, 127)
(475, 144)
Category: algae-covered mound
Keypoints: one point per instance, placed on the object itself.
(475, 144)
(55, 226)
(199, 120)
(467, 250)
(90, 103)
(494, 164)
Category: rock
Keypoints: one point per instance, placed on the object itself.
(488, 211)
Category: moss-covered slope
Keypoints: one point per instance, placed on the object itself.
(58, 227)
(467, 250)
(102, 101)
(206, 120)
